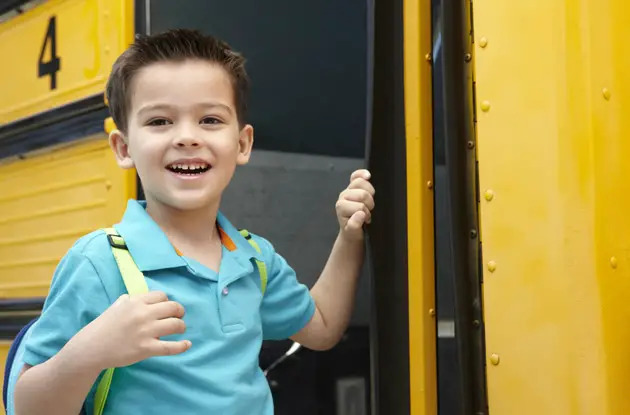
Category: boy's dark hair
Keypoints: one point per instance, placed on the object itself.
(173, 45)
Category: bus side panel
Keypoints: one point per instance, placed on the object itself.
(551, 86)
(4, 352)
(46, 203)
(610, 99)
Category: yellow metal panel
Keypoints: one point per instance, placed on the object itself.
(552, 84)
(4, 352)
(89, 35)
(48, 202)
(418, 124)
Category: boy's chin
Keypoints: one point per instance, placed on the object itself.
(194, 204)
(190, 202)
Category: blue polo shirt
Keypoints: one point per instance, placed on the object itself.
(227, 318)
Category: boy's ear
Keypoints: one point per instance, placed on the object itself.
(120, 147)
(245, 143)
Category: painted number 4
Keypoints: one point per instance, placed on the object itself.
(51, 66)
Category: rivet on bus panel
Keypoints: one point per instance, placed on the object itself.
(606, 93)
(432, 312)
(489, 195)
(485, 106)
(613, 262)
(429, 185)
(492, 266)
(483, 42)
(108, 185)
(467, 57)
(495, 359)
(428, 57)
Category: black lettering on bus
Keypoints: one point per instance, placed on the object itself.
(50, 67)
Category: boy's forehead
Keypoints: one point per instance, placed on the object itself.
(181, 83)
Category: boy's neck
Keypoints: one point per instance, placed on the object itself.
(192, 226)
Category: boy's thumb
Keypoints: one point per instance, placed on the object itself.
(356, 221)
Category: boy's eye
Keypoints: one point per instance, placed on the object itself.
(157, 122)
(210, 120)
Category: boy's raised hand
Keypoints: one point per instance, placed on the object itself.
(130, 329)
(355, 204)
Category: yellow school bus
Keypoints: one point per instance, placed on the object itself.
(498, 273)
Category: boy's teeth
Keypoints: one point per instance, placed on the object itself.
(194, 166)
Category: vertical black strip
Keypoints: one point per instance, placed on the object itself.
(140, 17)
(388, 232)
(461, 362)
(141, 27)
(369, 98)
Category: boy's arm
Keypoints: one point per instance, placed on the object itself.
(334, 291)
(333, 294)
(57, 386)
(127, 332)
(79, 334)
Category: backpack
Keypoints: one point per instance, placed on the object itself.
(135, 284)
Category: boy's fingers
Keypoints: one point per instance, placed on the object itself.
(360, 173)
(356, 221)
(168, 326)
(359, 195)
(167, 309)
(362, 184)
(347, 208)
(153, 297)
(169, 348)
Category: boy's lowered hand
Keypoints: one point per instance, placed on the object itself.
(130, 329)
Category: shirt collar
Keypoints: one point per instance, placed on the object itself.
(150, 248)
(238, 242)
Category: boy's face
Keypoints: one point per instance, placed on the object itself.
(183, 135)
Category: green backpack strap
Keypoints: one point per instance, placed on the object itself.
(135, 284)
(131, 275)
(262, 268)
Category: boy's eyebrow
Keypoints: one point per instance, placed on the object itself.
(216, 105)
(153, 107)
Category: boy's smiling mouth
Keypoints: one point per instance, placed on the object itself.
(193, 167)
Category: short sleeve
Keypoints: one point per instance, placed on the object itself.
(76, 297)
(287, 305)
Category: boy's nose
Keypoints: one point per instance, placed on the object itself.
(187, 141)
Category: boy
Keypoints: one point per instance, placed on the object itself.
(191, 344)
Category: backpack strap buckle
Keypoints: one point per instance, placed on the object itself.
(116, 241)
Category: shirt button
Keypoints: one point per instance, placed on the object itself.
(225, 291)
